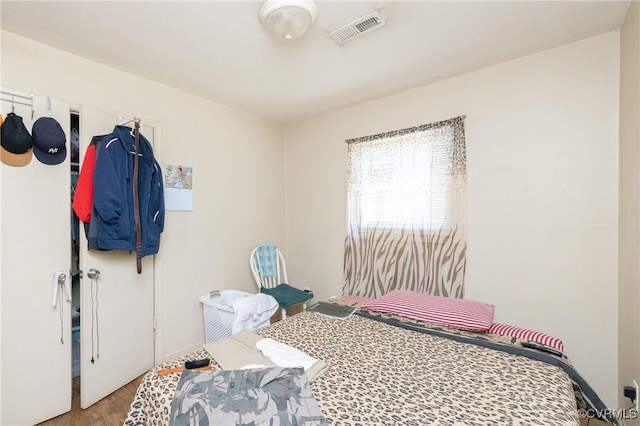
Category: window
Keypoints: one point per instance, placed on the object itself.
(406, 208)
(402, 181)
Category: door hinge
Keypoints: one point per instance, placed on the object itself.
(155, 324)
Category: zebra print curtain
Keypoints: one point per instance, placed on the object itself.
(407, 212)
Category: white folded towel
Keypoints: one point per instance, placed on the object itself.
(252, 312)
(284, 355)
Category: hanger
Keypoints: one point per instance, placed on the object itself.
(126, 120)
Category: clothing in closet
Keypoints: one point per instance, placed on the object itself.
(83, 197)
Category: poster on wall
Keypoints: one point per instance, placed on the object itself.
(178, 187)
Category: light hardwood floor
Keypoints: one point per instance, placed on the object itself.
(110, 411)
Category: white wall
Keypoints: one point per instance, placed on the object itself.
(542, 157)
(238, 161)
(542, 175)
(629, 214)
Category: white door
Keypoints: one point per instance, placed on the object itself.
(117, 333)
(36, 242)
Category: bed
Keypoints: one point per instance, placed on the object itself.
(385, 369)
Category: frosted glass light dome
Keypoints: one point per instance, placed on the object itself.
(288, 19)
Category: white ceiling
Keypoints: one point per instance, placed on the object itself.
(219, 50)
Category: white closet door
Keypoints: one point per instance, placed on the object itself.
(36, 242)
(117, 307)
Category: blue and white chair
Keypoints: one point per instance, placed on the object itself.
(270, 274)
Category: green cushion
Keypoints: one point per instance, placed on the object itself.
(287, 295)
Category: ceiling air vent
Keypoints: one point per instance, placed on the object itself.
(358, 27)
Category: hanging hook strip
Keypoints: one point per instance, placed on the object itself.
(16, 102)
(4, 97)
(15, 95)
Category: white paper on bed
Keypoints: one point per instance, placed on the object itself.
(241, 351)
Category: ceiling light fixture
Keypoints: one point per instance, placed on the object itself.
(288, 19)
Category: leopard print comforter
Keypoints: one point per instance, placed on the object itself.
(380, 374)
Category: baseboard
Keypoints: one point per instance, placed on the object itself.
(183, 352)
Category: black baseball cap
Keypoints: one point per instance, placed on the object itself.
(15, 140)
(49, 141)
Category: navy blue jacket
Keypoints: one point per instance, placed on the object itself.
(113, 193)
